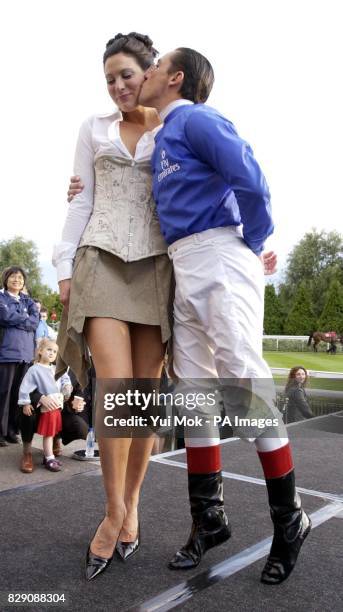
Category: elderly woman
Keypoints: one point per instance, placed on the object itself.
(18, 322)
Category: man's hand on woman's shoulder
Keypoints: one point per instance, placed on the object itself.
(75, 187)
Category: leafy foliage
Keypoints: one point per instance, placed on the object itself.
(301, 319)
(273, 317)
(331, 318)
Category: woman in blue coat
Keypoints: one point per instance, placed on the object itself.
(19, 319)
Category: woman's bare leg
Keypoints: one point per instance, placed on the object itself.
(147, 357)
(110, 346)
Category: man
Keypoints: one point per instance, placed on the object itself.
(206, 185)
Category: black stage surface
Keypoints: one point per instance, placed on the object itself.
(45, 530)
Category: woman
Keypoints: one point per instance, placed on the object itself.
(117, 296)
(298, 406)
(18, 322)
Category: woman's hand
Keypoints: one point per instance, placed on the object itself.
(67, 391)
(48, 402)
(269, 262)
(28, 410)
(78, 404)
(64, 286)
(75, 187)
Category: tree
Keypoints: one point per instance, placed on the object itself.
(331, 318)
(321, 287)
(273, 317)
(51, 301)
(24, 253)
(285, 301)
(316, 259)
(301, 319)
(317, 251)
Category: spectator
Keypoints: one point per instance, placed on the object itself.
(76, 418)
(44, 330)
(40, 377)
(18, 322)
(298, 406)
(77, 414)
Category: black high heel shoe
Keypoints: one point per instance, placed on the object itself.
(96, 565)
(127, 549)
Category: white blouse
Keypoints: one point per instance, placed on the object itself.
(99, 135)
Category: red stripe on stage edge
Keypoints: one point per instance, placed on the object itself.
(277, 463)
(203, 459)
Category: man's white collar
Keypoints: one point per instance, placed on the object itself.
(168, 109)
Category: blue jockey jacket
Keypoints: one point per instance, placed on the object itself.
(205, 176)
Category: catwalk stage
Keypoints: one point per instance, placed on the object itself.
(46, 525)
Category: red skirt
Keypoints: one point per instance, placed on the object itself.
(50, 423)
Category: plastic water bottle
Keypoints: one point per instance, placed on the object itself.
(90, 441)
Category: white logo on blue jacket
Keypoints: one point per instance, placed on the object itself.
(166, 167)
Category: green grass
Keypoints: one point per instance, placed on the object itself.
(326, 384)
(321, 362)
(310, 361)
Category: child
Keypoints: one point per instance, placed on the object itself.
(40, 377)
(44, 330)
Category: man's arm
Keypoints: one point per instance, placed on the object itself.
(214, 140)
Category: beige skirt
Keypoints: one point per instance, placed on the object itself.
(105, 286)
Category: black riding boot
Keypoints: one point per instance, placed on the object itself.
(210, 524)
(291, 526)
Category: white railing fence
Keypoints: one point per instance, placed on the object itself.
(311, 373)
(296, 343)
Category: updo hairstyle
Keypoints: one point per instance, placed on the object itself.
(137, 45)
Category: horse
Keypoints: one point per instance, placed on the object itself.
(329, 337)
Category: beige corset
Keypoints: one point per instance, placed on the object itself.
(124, 219)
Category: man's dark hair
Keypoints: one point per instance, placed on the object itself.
(12, 270)
(139, 46)
(199, 76)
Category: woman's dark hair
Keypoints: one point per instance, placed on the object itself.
(12, 270)
(137, 45)
(291, 380)
(198, 74)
